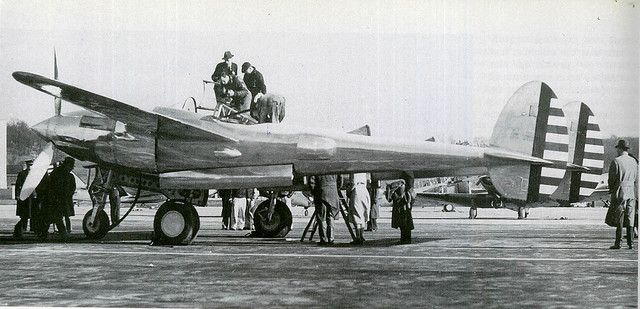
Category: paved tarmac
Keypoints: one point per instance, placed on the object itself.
(558, 257)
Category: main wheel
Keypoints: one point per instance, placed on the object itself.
(280, 223)
(175, 223)
(522, 212)
(196, 221)
(97, 230)
(473, 213)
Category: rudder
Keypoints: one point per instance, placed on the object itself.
(533, 124)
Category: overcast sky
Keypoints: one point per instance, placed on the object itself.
(410, 69)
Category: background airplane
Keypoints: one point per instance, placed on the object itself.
(183, 154)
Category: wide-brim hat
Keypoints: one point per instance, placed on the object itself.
(622, 144)
(227, 55)
(245, 66)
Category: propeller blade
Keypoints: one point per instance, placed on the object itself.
(57, 102)
(37, 171)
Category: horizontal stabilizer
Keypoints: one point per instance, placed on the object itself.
(506, 155)
(577, 168)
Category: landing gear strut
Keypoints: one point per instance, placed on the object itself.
(95, 223)
(272, 218)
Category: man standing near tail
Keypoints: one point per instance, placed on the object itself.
(623, 180)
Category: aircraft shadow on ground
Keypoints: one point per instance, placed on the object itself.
(244, 240)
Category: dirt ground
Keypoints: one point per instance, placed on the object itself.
(558, 257)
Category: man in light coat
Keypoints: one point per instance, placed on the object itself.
(623, 180)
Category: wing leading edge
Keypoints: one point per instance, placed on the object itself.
(130, 115)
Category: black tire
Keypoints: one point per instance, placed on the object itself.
(522, 212)
(497, 203)
(280, 223)
(473, 213)
(195, 218)
(100, 229)
(448, 208)
(174, 223)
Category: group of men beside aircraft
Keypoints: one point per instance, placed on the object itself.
(248, 93)
(50, 203)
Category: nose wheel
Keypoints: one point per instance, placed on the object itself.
(98, 228)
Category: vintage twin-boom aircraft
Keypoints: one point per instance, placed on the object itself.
(183, 154)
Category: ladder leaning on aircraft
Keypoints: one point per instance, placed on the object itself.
(182, 155)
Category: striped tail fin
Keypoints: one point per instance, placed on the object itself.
(586, 150)
(531, 123)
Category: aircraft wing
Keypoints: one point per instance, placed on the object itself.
(132, 116)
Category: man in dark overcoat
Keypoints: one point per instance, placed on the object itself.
(23, 208)
(62, 186)
(402, 195)
(623, 180)
(326, 200)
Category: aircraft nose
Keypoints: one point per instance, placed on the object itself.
(42, 129)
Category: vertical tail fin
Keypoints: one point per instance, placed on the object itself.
(533, 124)
(585, 150)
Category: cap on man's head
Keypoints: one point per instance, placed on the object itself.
(227, 55)
(245, 66)
(28, 161)
(68, 160)
(622, 144)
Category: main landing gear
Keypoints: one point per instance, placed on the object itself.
(176, 223)
(272, 218)
(523, 212)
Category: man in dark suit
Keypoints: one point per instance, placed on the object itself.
(623, 180)
(255, 83)
(225, 66)
(23, 208)
(62, 186)
(326, 200)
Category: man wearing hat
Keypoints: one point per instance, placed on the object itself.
(255, 82)
(23, 208)
(623, 180)
(225, 66)
(62, 186)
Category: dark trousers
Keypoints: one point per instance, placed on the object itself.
(325, 219)
(226, 213)
(59, 222)
(405, 235)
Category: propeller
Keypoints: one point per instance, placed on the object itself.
(37, 171)
(57, 101)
